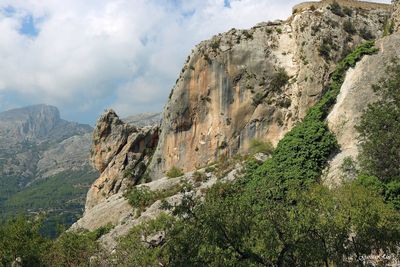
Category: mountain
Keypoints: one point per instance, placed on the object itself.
(278, 146)
(44, 162)
(240, 88)
(144, 119)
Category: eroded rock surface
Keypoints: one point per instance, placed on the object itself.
(121, 153)
(355, 96)
(233, 88)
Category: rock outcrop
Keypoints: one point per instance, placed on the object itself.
(355, 96)
(256, 83)
(121, 153)
(238, 86)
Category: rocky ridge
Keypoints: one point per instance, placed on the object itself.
(121, 153)
(254, 84)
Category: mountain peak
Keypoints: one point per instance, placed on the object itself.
(40, 110)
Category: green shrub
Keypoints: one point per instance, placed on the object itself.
(72, 249)
(174, 172)
(247, 34)
(260, 146)
(349, 27)
(199, 176)
(209, 169)
(258, 98)
(279, 30)
(347, 11)
(336, 9)
(388, 27)
(379, 127)
(99, 232)
(279, 79)
(366, 34)
(140, 197)
(215, 43)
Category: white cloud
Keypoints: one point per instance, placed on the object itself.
(124, 53)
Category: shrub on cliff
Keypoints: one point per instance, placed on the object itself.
(174, 172)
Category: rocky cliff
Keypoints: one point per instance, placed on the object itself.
(121, 153)
(256, 83)
(238, 86)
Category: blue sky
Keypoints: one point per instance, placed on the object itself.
(86, 56)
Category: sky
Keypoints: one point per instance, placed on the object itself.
(87, 56)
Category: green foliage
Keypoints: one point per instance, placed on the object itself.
(327, 45)
(388, 27)
(141, 197)
(19, 237)
(278, 214)
(61, 195)
(349, 168)
(144, 245)
(199, 176)
(322, 227)
(99, 232)
(379, 127)
(174, 172)
(366, 34)
(279, 79)
(347, 11)
(336, 9)
(321, 109)
(215, 43)
(258, 98)
(72, 249)
(349, 27)
(260, 146)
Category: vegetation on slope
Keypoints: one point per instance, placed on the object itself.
(277, 214)
(60, 196)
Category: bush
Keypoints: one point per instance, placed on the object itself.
(174, 172)
(348, 11)
(259, 146)
(140, 197)
(336, 9)
(279, 79)
(215, 44)
(72, 249)
(20, 237)
(349, 27)
(366, 34)
(258, 98)
(379, 127)
(199, 176)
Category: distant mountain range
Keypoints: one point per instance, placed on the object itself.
(44, 162)
(144, 119)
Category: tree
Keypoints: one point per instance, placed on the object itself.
(379, 129)
(20, 237)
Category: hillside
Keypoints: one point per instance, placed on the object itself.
(44, 163)
(279, 146)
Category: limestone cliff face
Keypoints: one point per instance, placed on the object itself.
(355, 95)
(240, 85)
(121, 153)
(255, 83)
